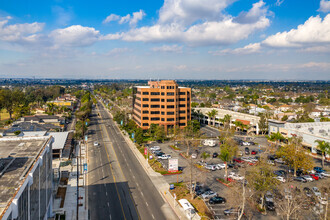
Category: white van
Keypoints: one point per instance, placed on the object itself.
(209, 142)
(189, 210)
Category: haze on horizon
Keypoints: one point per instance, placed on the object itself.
(177, 39)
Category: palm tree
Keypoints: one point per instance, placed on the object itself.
(213, 114)
(225, 157)
(277, 137)
(227, 119)
(324, 147)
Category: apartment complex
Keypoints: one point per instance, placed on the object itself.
(161, 102)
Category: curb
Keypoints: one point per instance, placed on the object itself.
(223, 183)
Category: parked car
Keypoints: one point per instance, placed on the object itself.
(319, 169)
(164, 156)
(215, 155)
(326, 174)
(316, 191)
(280, 178)
(238, 160)
(232, 211)
(308, 192)
(210, 167)
(235, 176)
(240, 153)
(247, 151)
(251, 143)
(314, 176)
(96, 143)
(271, 162)
(254, 152)
(300, 179)
(194, 156)
(208, 194)
(158, 154)
(270, 206)
(279, 160)
(322, 200)
(308, 178)
(319, 175)
(154, 148)
(217, 200)
(220, 166)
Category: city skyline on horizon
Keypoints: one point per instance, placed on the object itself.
(174, 39)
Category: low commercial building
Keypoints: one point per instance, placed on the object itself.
(309, 132)
(163, 103)
(250, 120)
(26, 178)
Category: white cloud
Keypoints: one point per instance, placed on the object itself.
(186, 12)
(112, 17)
(75, 35)
(20, 33)
(279, 2)
(248, 49)
(206, 30)
(313, 32)
(324, 6)
(168, 48)
(131, 19)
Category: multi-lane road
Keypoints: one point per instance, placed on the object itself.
(118, 187)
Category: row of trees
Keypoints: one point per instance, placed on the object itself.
(19, 102)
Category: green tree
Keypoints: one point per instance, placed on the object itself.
(160, 133)
(263, 124)
(324, 147)
(227, 120)
(194, 104)
(227, 151)
(295, 155)
(277, 137)
(284, 118)
(139, 136)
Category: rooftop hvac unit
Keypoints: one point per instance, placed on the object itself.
(311, 129)
(298, 126)
(322, 131)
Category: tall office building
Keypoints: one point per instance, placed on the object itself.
(161, 102)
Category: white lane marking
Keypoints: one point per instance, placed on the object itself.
(110, 217)
(137, 185)
(142, 194)
(152, 216)
(106, 193)
(130, 169)
(108, 204)
(147, 204)
(133, 176)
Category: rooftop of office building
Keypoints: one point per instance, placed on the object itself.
(17, 157)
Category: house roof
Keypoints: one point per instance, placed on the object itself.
(59, 139)
(245, 122)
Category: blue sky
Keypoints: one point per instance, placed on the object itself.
(179, 39)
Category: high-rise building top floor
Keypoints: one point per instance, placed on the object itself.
(163, 103)
(25, 177)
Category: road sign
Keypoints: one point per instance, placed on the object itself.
(121, 123)
(173, 165)
(85, 167)
(133, 135)
(145, 151)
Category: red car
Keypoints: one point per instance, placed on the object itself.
(238, 160)
(253, 152)
(314, 177)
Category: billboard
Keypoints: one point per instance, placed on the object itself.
(173, 165)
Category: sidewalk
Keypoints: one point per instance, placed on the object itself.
(70, 203)
(157, 179)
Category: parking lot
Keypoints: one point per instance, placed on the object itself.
(209, 178)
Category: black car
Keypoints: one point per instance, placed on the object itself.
(215, 155)
(251, 143)
(308, 192)
(217, 200)
(270, 205)
(159, 154)
(300, 179)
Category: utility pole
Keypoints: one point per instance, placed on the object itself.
(77, 152)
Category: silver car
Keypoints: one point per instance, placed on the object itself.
(208, 194)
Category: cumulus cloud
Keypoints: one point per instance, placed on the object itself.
(75, 36)
(258, 10)
(20, 33)
(131, 19)
(168, 48)
(324, 6)
(111, 17)
(248, 49)
(313, 32)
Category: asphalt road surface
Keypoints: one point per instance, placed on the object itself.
(118, 187)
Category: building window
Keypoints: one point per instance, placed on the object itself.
(145, 112)
(163, 106)
(182, 93)
(170, 100)
(182, 99)
(145, 93)
(154, 93)
(163, 119)
(163, 113)
(170, 93)
(154, 112)
(145, 124)
(154, 100)
(170, 113)
(182, 106)
(154, 106)
(154, 119)
(182, 124)
(182, 112)
(182, 118)
(162, 87)
(163, 93)
(170, 119)
(163, 100)
(145, 118)
(145, 106)
(145, 99)
(170, 106)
